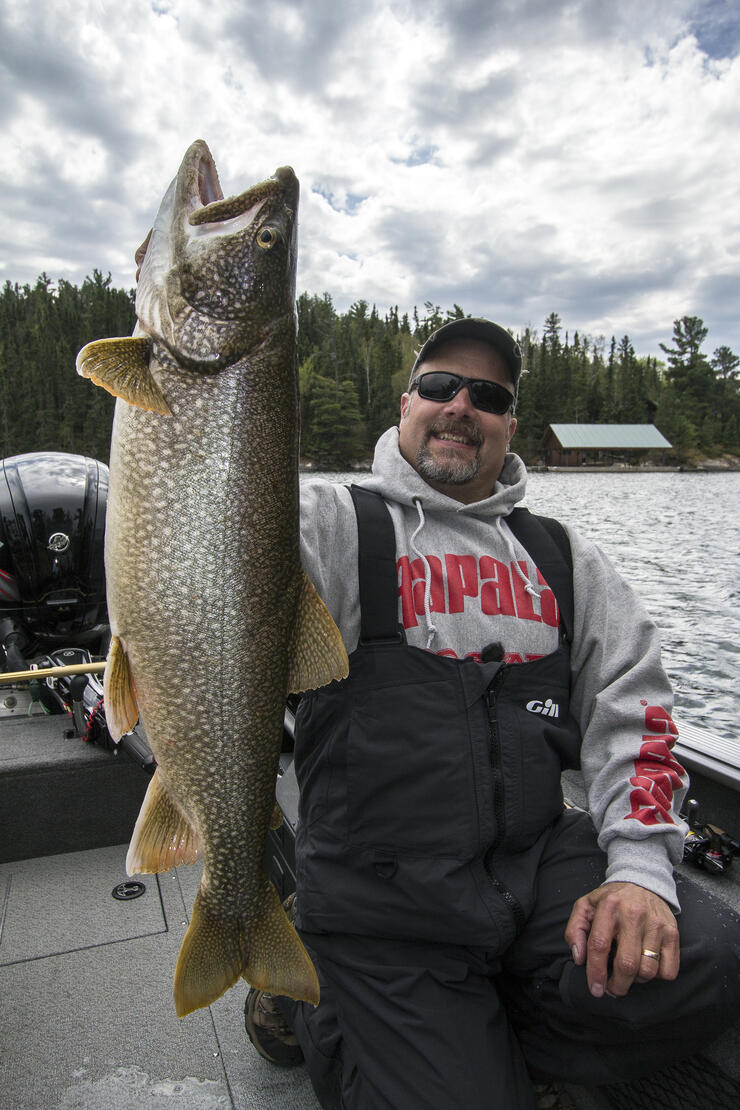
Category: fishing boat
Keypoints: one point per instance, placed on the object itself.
(86, 953)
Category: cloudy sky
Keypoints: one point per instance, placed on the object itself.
(516, 157)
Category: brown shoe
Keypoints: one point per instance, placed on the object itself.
(269, 1032)
(551, 1096)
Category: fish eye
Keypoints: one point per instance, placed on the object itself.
(267, 238)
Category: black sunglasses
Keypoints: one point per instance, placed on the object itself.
(440, 385)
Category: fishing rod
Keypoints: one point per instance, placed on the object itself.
(11, 677)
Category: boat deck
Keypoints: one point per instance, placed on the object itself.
(87, 1017)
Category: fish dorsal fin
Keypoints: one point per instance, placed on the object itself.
(317, 652)
(162, 837)
(122, 367)
(119, 696)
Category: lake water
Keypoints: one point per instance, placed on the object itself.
(676, 538)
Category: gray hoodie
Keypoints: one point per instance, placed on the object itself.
(465, 582)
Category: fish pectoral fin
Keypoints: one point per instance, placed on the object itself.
(162, 838)
(122, 367)
(266, 951)
(119, 696)
(317, 652)
(276, 818)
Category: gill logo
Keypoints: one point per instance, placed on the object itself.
(547, 708)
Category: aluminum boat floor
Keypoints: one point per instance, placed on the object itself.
(87, 1020)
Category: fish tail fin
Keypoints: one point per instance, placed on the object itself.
(162, 837)
(210, 959)
(266, 951)
(276, 960)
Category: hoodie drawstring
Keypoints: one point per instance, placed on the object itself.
(508, 543)
(506, 537)
(431, 629)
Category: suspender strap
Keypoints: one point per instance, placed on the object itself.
(547, 542)
(377, 567)
(544, 538)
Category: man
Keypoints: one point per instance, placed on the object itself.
(469, 934)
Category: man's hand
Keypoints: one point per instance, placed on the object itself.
(638, 921)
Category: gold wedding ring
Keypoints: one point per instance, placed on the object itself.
(650, 954)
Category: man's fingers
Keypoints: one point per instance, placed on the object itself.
(636, 925)
(578, 928)
(660, 956)
(598, 949)
(670, 955)
(637, 960)
(601, 908)
(650, 958)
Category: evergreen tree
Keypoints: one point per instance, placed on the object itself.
(725, 366)
(336, 422)
(725, 363)
(353, 368)
(689, 370)
(708, 389)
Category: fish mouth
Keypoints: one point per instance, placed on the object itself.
(204, 273)
(206, 200)
(209, 186)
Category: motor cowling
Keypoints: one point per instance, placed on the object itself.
(52, 528)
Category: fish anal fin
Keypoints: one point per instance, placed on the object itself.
(121, 710)
(317, 652)
(122, 367)
(266, 951)
(162, 837)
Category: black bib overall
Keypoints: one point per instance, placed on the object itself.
(427, 783)
(437, 871)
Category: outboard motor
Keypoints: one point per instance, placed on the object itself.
(52, 528)
(52, 589)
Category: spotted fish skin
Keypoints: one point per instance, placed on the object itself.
(212, 618)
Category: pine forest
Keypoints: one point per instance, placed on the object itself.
(353, 368)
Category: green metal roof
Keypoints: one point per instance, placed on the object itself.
(623, 437)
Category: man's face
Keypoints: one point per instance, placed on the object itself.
(458, 449)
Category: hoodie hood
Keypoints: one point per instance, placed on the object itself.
(396, 480)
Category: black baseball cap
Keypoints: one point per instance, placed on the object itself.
(470, 327)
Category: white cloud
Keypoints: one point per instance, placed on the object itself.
(515, 157)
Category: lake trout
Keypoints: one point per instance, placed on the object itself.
(212, 619)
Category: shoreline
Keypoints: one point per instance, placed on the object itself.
(701, 469)
(538, 468)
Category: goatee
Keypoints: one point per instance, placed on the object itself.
(450, 470)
